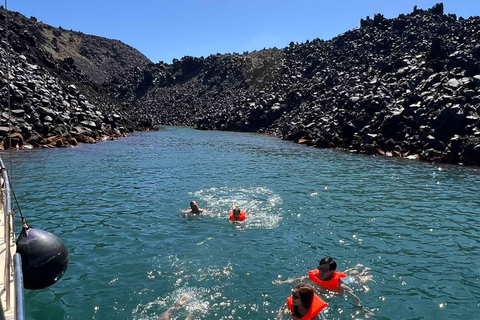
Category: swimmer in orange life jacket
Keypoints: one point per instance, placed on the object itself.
(326, 277)
(194, 208)
(236, 214)
(304, 304)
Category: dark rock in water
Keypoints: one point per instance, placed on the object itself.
(471, 151)
(431, 155)
(72, 141)
(35, 139)
(348, 130)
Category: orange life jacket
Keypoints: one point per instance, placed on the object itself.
(332, 284)
(241, 217)
(315, 308)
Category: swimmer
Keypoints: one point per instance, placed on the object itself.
(236, 214)
(178, 305)
(303, 304)
(326, 277)
(194, 209)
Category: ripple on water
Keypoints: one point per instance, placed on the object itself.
(116, 206)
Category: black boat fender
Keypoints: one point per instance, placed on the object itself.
(44, 257)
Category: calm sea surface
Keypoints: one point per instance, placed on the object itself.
(117, 207)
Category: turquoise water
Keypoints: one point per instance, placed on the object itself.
(116, 205)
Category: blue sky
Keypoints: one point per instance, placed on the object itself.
(167, 29)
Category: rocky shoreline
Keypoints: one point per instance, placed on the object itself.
(48, 113)
(407, 87)
(57, 100)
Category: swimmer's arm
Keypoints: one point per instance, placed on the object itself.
(352, 271)
(280, 312)
(358, 302)
(349, 290)
(289, 280)
(166, 314)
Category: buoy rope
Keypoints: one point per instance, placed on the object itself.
(7, 55)
(24, 220)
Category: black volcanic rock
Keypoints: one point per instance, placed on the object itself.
(51, 93)
(408, 86)
(404, 86)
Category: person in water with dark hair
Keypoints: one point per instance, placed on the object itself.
(236, 214)
(326, 277)
(303, 304)
(194, 209)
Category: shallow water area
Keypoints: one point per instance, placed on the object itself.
(117, 206)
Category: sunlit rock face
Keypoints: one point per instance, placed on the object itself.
(56, 91)
(406, 87)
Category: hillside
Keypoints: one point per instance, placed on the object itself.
(56, 88)
(408, 86)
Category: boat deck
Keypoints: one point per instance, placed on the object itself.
(9, 284)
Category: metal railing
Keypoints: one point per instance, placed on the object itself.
(19, 300)
(9, 238)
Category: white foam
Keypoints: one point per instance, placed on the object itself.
(263, 206)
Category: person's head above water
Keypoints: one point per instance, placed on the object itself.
(302, 298)
(194, 207)
(327, 267)
(236, 213)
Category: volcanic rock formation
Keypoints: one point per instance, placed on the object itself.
(408, 86)
(55, 88)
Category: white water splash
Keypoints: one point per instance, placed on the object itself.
(196, 304)
(263, 206)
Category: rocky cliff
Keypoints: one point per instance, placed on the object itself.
(408, 86)
(55, 85)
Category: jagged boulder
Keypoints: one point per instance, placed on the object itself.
(14, 141)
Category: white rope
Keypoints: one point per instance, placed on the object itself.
(7, 55)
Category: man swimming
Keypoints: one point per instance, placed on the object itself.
(194, 209)
(326, 277)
